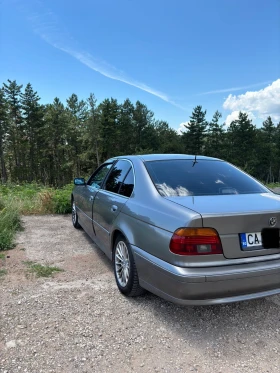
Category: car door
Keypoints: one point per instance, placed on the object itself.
(108, 203)
(87, 195)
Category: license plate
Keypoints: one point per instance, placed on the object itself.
(251, 241)
(271, 238)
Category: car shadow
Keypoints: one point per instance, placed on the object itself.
(226, 328)
(98, 252)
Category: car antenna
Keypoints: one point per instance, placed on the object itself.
(195, 161)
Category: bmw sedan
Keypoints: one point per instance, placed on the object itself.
(186, 228)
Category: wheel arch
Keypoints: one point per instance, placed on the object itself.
(122, 226)
(114, 236)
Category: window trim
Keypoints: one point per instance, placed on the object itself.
(97, 170)
(131, 168)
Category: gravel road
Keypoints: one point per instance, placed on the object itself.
(78, 321)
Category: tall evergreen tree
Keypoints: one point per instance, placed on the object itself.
(15, 131)
(109, 128)
(32, 113)
(3, 131)
(127, 126)
(92, 135)
(215, 139)
(142, 117)
(277, 142)
(56, 168)
(194, 135)
(242, 135)
(77, 116)
(268, 149)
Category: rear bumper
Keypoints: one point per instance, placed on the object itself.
(205, 286)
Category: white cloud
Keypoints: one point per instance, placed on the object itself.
(233, 89)
(234, 116)
(182, 128)
(260, 103)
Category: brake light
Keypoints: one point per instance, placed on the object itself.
(195, 241)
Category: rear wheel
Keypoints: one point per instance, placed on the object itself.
(125, 269)
(75, 216)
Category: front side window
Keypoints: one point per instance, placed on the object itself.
(98, 177)
(204, 177)
(116, 176)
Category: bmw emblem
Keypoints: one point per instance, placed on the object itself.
(272, 221)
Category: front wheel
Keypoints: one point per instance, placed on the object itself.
(125, 269)
(75, 216)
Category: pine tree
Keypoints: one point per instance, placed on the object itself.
(242, 135)
(92, 136)
(77, 116)
(142, 117)
(32, 113)
(3, 131)
(268, 153)
(15, 131)
(214, 146)
(109, 128)
(194, 135)
(55, 165)
(127, 138)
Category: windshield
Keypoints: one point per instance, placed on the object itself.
(203, 177)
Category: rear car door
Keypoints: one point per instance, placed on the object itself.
(110, 200)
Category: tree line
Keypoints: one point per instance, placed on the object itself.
(52, 143)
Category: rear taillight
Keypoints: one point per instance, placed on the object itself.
(195, 241)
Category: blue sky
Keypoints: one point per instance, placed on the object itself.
(170, 55)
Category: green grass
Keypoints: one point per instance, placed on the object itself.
(2, 256)
(9, 225)
(42, 270)
(37, 199)
(273, 185)
(28, 199)
(3, 272)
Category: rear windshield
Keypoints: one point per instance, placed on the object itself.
(203, 177)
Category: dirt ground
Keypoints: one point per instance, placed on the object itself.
(77, 321)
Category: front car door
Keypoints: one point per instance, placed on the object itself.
(87, 196)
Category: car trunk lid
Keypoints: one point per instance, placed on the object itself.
(237, 218)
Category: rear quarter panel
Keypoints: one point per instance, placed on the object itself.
(148, 220)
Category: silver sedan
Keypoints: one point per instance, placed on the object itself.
(186, 228)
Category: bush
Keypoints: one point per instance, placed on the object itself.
(62, 200)
(28, 199)
(37, 199)
(9, 224)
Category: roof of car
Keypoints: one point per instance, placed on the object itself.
(160, 157)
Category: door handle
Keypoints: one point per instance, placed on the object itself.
(114, 208)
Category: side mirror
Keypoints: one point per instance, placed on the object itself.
(79, 181)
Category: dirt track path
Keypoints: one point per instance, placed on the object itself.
(77, 321)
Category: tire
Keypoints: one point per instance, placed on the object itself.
(75, 216)
(125, 269)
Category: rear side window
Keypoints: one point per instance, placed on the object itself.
(203, 177)
(116, 176)
(127, 186)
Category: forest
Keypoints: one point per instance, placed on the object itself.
(50, 144)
